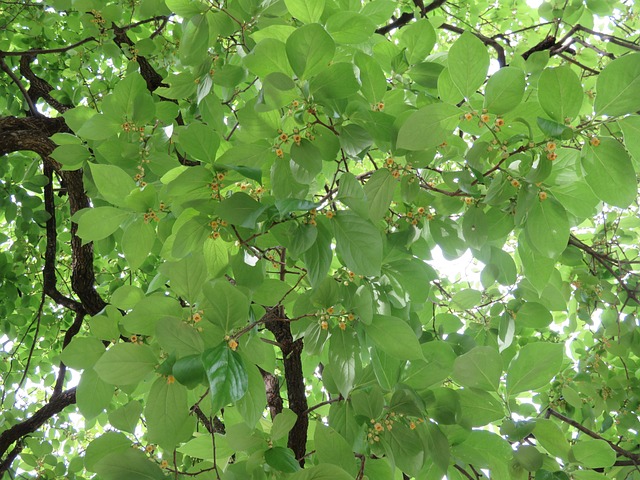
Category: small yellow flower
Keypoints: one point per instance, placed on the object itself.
(149, 448)
(164, 464)
(330, 214)
(324, 325)
(378, 427)
(220, 176)
(468, 116)
(551, 146)
(171, 379)
(484, 117)
(196, 317)
(133, 338)
(595, 141)
(542, 196)
(552, 156)
(412, 426)
(499, 122)
(515, 183)
(468, 200)
(279, 153)
(233, 345)
(342, 326)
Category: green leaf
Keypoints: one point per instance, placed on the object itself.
(318, 256)
(185, 8)
(395, 337)
(617, 86)
(379, 191)
(227, 375)
(227, 306)
(479, 408)
(551, 437)
(336, 81)
(127, 416)
(282, 459)
(308, 160)
(342, 360)
(428, 127)
(178, 337)
(72, 157)
(594, 453)
(282, 424)
(351, 193)
(418, 38)
(547, 228)
(241, 210)
(167, 414)
(99, 222)
(131, 464)
(309, 49)
(82, 352)
(195, 40)
(350, 27)
(468, 63)
(631, 129)
(324, 471)
(93, 395)
(504, 90)
(186, 276)
(358, 243)
(307, 11)
(560, 93)
(251, 406)
(480, 368)
(332, 448)
(126, 364)
(372, 79)
(533, 315)
(534, 366)
(189, 371)
(466, 299)
(137, 241)
(199, 141)
(609, 172)
(105, 444)
(99, 127)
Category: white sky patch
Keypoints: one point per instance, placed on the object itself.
(463, 268)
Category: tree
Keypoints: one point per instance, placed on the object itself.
(219, 222)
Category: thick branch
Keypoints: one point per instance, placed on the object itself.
(291, 352)
(405, 18)
(53, 407)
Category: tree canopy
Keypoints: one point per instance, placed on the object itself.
(227, 225)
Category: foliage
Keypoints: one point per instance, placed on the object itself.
(219, 219)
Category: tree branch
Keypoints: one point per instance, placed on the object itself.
(56, 404)
(619, 450)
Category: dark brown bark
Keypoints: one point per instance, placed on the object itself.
(20, 430)
(291, 353)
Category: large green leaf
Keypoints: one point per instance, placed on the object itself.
(593, 453)
(200, 142)
(547, 228)
(131, 464)
(468, 63)
(504, 90)
(395, 337)
(560, 93)
(226, 305)
(99, 222)
(167, 414)
(310, 49)
(358, 243)
(379, 191)
(137, 241)
(93, 395)
(428, 127)
(480, 368)
(617, 86)
(227, 375)
(307, 11)
(534, 366)
(418, 38)
(336, 81)
(126, 363)
(609, 172)
(342, 360)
